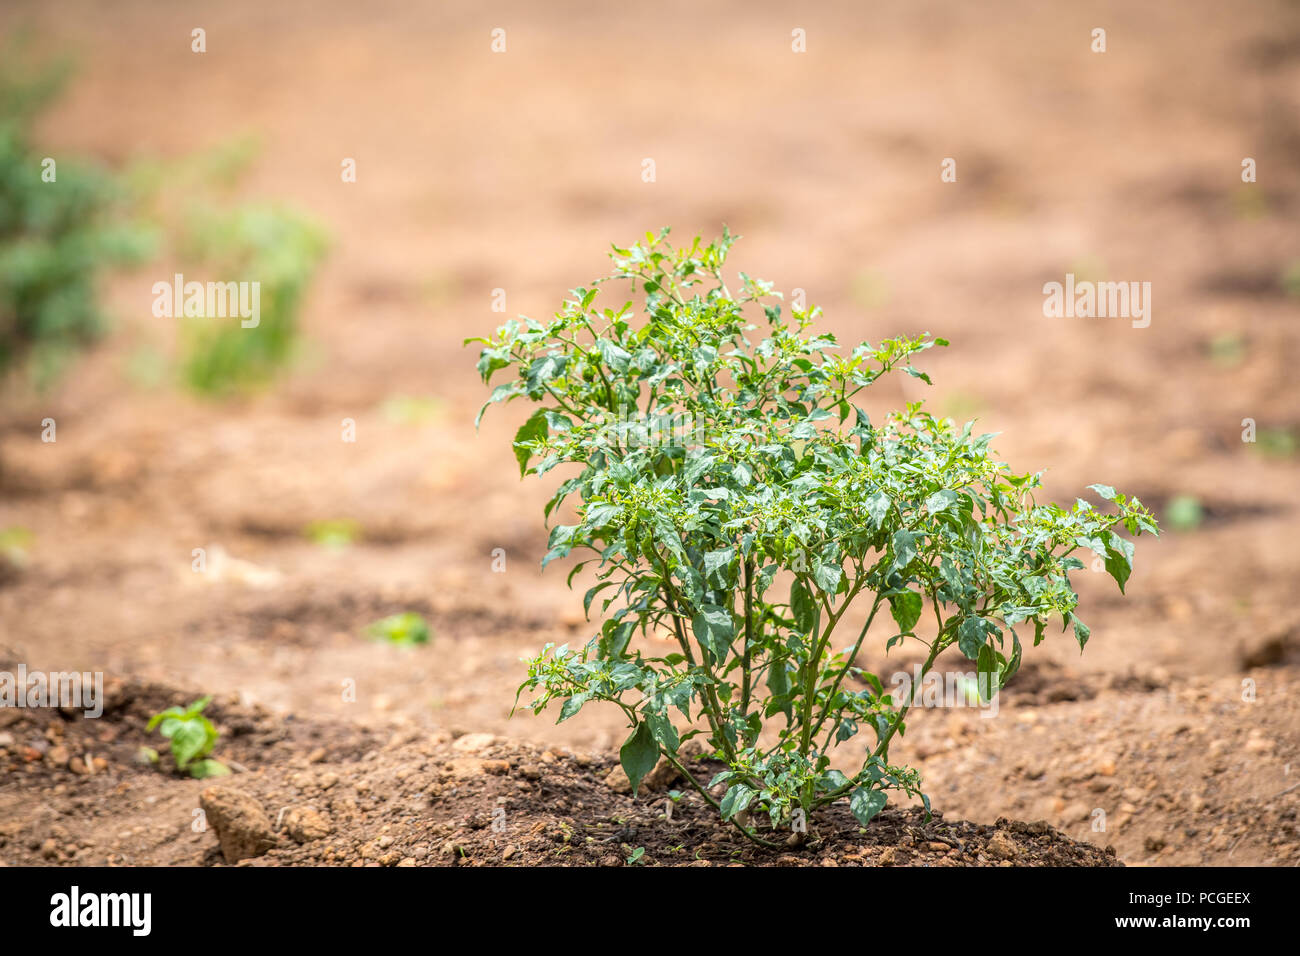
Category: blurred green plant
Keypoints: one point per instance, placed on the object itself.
(1291, 280)
(192, 737)
(333, 533)
(154, 180)
(1250, 202)
(1228, 349)
(61, 225)
(269, 245)
(406, 629)
(15, 544)
(1184, 513)
(1277, 442)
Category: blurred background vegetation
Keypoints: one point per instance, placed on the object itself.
(65, 224)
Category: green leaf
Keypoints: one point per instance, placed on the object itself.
(714, 629)
(158, 718)
(877, 506)
(600, 514)
(614, 355)
(971, 635)
(1119, 559)
(715, 561)
(639, 754)
(202, 769)
(571, 707)
(906, 608)
(1105, 491)
(904, 548)
(803, 607)
(865, 804)
(544, 370)
(1081, 632)
(532, 430)
(188, 739)
(664, 731)
(827, 576)
(1012, 666)
(987, 671)
(737, 798)
(940, 501)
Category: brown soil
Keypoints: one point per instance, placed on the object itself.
(479, 172)
(415, 799)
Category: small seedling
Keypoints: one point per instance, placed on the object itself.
(274, 247)
(736, 501)
(635, 857)
(1291, 280)
(1277, 442)
(192, 737)
(334, 534)
(1184, 513)
(15, 546)
(405, 630)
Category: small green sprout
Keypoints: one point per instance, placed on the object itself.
(15, 545)
(1184, 513)
(192, 737)
(405, 630)
(334, 534)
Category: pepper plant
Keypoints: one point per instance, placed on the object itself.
(738, 504)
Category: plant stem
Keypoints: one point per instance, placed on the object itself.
(882, 747)
(749, 636)
(853, 654)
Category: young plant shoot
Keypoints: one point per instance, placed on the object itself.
(738, 505)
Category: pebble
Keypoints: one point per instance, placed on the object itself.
(1002, 847)
(305, 824)
(241, 825)
(473, 743)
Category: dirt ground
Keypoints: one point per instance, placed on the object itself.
(1172, 739)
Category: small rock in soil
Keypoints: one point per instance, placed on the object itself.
(305, 824)
(241, 825)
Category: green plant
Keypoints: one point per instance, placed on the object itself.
(333, 533)
(407, 629)
(16, 545)
(1281, 442)
(737, 503)
(192, 737)
(61, 226)
(279, 251)
(1184, 513)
